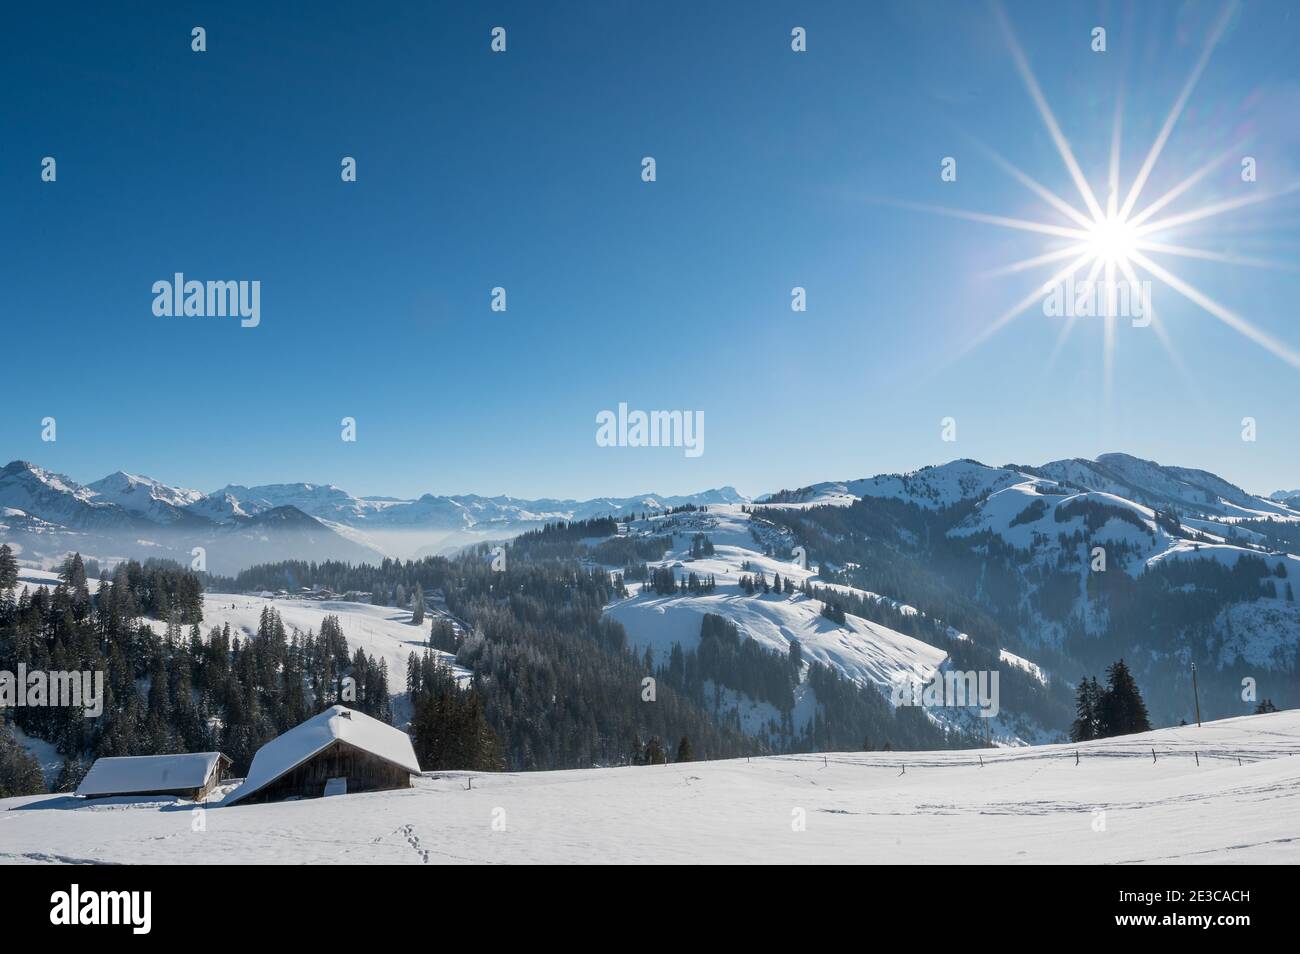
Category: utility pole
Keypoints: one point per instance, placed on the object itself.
(1197, 696)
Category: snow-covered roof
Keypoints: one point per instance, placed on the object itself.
(148, 773)
(286, 752)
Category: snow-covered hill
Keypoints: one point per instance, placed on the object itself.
(870, 654)
(1031, 805)
(861, 650)
(937, 486)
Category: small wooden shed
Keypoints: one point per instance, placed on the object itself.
(192, 775)
(339, 751)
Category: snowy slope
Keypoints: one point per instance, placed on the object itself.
(1030, 805)
(382, 631)
(1029, 520)
(866, 652)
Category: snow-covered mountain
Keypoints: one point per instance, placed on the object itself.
(44, 516)
(320, 500)
(144, 496)
(1184, 489)
(124, 514)
(457, 512)
(1190, 491)
(1084, 560)
(1290, 498)
(131, 515)
(57, 499)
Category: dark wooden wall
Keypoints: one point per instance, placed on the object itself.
(364, 772)
(215, 778)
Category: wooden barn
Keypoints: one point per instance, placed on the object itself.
(335, 753)
(193, 775)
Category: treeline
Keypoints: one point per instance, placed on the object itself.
(428, 573)
(1279, 534)
(664, 581)
(562, 540)
(570, 530)
(622, 551)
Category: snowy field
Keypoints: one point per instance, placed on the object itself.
(1029, 805)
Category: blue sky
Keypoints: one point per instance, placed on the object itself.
(523, 170)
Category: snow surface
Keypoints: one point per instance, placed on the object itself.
(1027, 805)
(286, 752)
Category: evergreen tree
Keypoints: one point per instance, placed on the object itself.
(20, 773)
(684, 751)
(1087, 711)
(417, 605)
(74, 769)
(8, 579)
(8, 569)
(1122, 711)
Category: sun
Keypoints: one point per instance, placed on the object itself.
(1115, 243)
(1112, 240)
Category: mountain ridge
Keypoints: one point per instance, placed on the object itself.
(129, 514)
